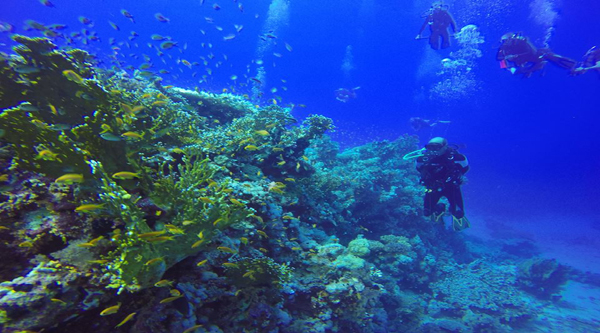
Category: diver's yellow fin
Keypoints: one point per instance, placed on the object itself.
(437, 217)
(461, 223)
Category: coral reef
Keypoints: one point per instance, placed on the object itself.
(543, 277)
(159, 209)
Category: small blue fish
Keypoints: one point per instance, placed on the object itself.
(114, 26)
(25, 69)
(28, 107)
(109, 137)
(60, 127)
(6, 27)
(161, 18)
(127, 15)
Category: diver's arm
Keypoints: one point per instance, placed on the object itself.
(425, 24)
(452, 22)
(500, 54)
(461, 163)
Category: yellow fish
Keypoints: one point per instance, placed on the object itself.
(151, 234)
(217, 221)
(230, 265)
(105, 128)
(160, 239)
(159, 103)
(70, 178)
(175, 292)
(174, 229)
(262, 233)
(244, 240)
(53, 109)
(39, 123)
(251, 147)
(281, 163)
(99, 262)
(47, 155)
(198, 243)
(126, 108)
(153, 261)
(226, 249)
(237, 202)
(137, 109)
(276, 190)
(202, 262)
(206, 200)
(128, 318)
(96, 240)
(133, 135)
(72, 76)
(88, 207)
(262, 133)
(169, 299)
(125, 175)
(26, 244)
(163, 283)
(260, 219)
(111, 310)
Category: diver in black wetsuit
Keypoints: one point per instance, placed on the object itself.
(439, 20)
(590, 62)
(517, 54)
(442, 169)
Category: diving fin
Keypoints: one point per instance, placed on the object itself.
(460, 224)
(437, 217)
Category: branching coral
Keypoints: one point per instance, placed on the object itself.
(258, 272)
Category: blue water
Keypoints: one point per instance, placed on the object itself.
(533, 144)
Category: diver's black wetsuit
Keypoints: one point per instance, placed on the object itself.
(591, 61)
(526, 59)
(442, 175)
(439, 20)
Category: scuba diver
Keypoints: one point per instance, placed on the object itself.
(442, 169)
(517, 54)
(590, 62)
(439, 20)
(418, 123)
(344, 95)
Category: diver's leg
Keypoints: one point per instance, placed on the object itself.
(561, 61)
(430, 202)
(445, 39)
(434, 40)
(454, 195)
